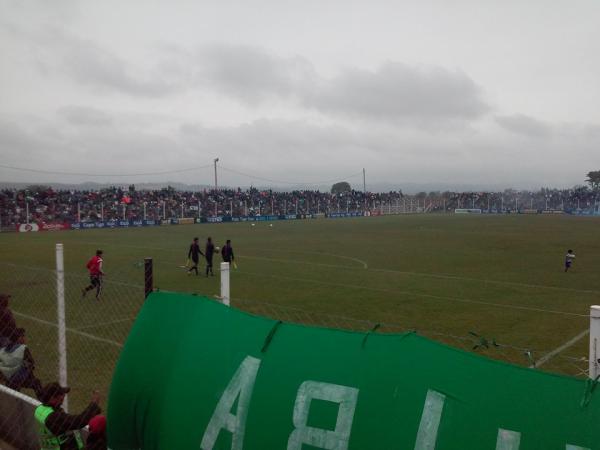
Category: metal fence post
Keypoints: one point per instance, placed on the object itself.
(225, 283)
(148, 277)
(594, 370)
(62, 327)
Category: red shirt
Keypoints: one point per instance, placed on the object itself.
(94, 265)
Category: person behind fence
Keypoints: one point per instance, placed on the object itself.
(227, 252)
(17, 364)
(96, 439)
(94, 267)
(57, 429)
(209, 251)
(193, 254)
(8, 326)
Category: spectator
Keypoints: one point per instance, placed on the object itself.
(96, 439)
(17, 364)
(8, 325)
(59, 430)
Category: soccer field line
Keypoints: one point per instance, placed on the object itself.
(548, 356)
(416, 294)
(374, 269)
(307, 263)
(103, 324)
(485, 280)
(360, 261)
(90, 336)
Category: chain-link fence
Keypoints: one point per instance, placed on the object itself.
(96, 330)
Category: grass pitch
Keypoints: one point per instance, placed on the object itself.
(500, 277)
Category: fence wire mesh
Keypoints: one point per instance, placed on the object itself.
(96, 330)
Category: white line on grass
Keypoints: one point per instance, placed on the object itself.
(484, 280)
(360, 261)
(544, 359)
(263, 258)
(70, 330)
(102, 324)
(416, 294)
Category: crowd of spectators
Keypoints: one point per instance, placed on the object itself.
(44, 204)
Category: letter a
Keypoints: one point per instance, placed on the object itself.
(508, 440)
(337, 439)
(240, 385)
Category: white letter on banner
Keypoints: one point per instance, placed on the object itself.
(508, 440)
(240, 385)
(337, 439)
(430, 421)
(575, 447)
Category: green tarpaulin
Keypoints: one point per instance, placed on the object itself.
(195, 374)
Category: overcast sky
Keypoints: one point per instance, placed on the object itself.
(448, 92)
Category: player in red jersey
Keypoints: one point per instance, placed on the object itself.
(94, 267)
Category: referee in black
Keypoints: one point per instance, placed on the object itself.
(227, 252)
(209, 251)
(193, 254)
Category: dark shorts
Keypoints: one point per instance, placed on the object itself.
(567, 263)
(195, 261)
(95, 280)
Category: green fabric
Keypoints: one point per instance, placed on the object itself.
(186, 353)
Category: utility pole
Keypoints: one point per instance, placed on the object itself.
(216, 184)
(365, 188)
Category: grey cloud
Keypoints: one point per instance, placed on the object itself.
(524, 125)
(393, 92)
(80, 115)
(88, 63)
(293, 150)
(397, 91)
(251, 74)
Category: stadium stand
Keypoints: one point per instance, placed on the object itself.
(44, 204)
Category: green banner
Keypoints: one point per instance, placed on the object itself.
(195, 374)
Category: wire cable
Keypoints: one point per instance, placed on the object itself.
(288, 182)
(50, 172)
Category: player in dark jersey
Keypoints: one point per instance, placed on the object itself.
(193, 254)
(94, 267)
(227, 252)
(209, 251)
